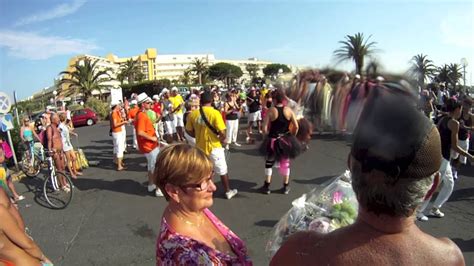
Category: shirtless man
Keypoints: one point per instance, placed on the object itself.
(55, 147)
(393, 168)
(16, 247)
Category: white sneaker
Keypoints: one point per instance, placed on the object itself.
(422, 217)
(151, 187)
(436, 213)
(227, 146)
(237, 144)
(231, 193)
(158, 193)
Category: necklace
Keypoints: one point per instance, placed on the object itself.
(198, 224)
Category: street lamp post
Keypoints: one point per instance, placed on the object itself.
(464, 65)
(55, 103)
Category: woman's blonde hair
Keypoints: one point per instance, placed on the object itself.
(181, 164)
(62, 117)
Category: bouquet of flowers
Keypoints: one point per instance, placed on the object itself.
(324, 209)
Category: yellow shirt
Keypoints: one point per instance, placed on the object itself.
(206, 140)
(177, 101)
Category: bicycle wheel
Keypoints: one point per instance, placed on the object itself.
(28, 169)
(57, 197)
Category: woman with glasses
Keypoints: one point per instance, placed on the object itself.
(190, 234)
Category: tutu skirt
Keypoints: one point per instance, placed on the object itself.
(286, 146)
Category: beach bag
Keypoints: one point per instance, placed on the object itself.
(7, 150)
(81, 160)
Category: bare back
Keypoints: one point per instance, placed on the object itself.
(359, 245)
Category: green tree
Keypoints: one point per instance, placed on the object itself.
(199, 67)
(455, 74)
(85, 78)
(422, 69)
(130, 71)
(186, 77)
(252, 69)
(225, 72)
(355, 48)
(274, 69)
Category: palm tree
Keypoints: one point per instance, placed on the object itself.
(85, 77)
(186, 77)
(199, 67)
(454, 74)
(131, 71)
(422, 68)
(355, 48)
(442, 74)
(373, 68)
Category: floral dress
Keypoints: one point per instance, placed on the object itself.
(175, 249)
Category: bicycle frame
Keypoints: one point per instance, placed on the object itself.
(52, 172)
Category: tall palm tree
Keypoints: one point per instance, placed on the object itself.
(422, 68)
(131, 71)
(85, 77)
(199, 67)
(355, 48)
(455, 74)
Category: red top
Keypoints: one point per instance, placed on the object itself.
(157, 108)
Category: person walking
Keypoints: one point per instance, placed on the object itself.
(117, 124)
(168, 116)
(148, 142)
(178, 106)
(207, 127)
(448, 128)
(255, 113)
(280, 144)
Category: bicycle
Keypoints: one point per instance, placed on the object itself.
(31, 164)
(57, 196)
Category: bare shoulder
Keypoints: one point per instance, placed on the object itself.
(299, 249)
(450, 252)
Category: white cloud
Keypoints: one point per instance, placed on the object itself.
(33, 46)
(458, 31)
(57, 12)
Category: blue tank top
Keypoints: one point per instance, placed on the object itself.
(28, 135)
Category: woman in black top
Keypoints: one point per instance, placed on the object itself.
(231, 110)
(280, 144)
(448, 128)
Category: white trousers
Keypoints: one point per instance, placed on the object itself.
(135, 144)
(232, 130)
(447, 186)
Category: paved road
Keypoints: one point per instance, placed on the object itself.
(114, 221)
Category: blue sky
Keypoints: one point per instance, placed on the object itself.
(37, 37)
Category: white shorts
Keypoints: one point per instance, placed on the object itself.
(178, 120)
(119, 144)
(217, 157)
(169, 127)
(151, 159)
(254, 117)
(463, 144)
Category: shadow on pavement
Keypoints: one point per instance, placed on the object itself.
(121, 185)
(266, 223)
(464, 194)
(35, 185)
(318, 180)
(464, 245)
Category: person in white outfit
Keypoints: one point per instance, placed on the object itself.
(232, 110)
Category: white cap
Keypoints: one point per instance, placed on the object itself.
(164, 90)
(357, 76)
(156, 97)
(270, 86)
(380, 78)
(174, 89)
(133, 102)
(114, 103)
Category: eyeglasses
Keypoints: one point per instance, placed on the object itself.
(203, 186)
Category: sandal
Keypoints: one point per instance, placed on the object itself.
(20, 198)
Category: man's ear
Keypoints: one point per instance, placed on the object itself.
(173, 192)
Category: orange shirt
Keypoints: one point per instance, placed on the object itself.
(144, 124)
(133, 112)
(116, 118)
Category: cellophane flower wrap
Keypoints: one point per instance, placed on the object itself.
(324, 209)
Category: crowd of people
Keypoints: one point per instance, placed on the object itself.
(396, 167)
